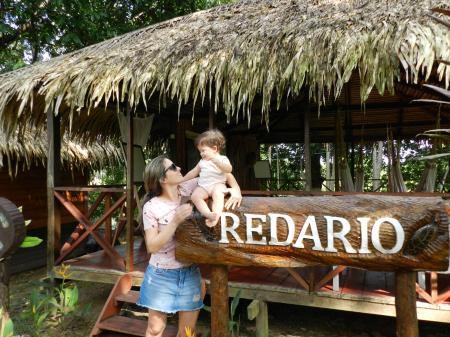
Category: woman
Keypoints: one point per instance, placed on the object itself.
(170, 286)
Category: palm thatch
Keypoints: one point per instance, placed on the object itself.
(21, 152)
(232, 54)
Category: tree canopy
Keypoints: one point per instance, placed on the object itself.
(33, 30)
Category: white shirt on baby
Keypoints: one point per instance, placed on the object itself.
(210, 174)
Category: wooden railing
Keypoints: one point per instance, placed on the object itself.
(113, 199)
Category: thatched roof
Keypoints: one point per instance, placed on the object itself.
(21, 152)
(234, 53)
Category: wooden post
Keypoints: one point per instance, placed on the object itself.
(4, 284)
(405, 304)
(262, 320)
(130, 186)
(337, 154)
(219, 301)
(258, 309)
(308, 179)
(53, 179)
(108, 224)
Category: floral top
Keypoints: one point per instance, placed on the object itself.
(158, 213)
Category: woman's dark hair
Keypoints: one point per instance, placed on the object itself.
(153, 172)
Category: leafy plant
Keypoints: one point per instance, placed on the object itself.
(29, 241)
(6, 324)
(233, 325)
(50, 304)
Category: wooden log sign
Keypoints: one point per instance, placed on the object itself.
(370, 232)
(12, 228)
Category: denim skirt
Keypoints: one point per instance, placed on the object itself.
(171, 290)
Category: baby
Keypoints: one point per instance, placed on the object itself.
(212, 169)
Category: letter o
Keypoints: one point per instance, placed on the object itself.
(400, 235)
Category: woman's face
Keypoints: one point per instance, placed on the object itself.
(172, 173)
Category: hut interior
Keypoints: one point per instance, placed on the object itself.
(23, 181)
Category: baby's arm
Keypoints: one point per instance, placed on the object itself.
(192, 173)
(222, 163)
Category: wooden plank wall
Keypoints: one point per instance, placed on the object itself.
(28, 189)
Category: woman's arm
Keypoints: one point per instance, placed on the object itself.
(235, 193)
(154, 241)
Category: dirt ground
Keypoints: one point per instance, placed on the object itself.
(284, 320)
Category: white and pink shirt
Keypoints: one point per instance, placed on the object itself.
(157, 214)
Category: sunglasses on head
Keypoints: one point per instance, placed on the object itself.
(172, 167)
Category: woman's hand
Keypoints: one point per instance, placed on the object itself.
(234, 200)
(182, 213)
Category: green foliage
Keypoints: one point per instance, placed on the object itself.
(290, 169)
(233, 324)
(31, 30)
(30, 241)
(110, 175)
(6, 324)
(50, 304)
(285, 160)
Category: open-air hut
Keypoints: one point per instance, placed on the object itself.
(23, 178)
(263, 72)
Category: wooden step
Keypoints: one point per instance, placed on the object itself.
(112, 334)
(131, 326)
(130, 297)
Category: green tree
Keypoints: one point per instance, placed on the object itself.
(32, 30)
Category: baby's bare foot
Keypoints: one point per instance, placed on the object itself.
(212, 221)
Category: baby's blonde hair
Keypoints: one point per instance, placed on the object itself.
(211, 138)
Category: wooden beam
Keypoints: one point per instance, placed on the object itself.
(130, 186)
(405, 304)
(308, 179)
(219, 301)
(53, 179)
(298, 278)
(79, 229)
(90, 229)
(98, 189)
(262, 320)
(328, 277)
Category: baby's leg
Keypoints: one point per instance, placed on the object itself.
(198, 198)
(217, 195)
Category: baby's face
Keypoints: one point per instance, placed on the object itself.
(207, 152)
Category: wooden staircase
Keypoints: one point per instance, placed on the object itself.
(111, 323)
